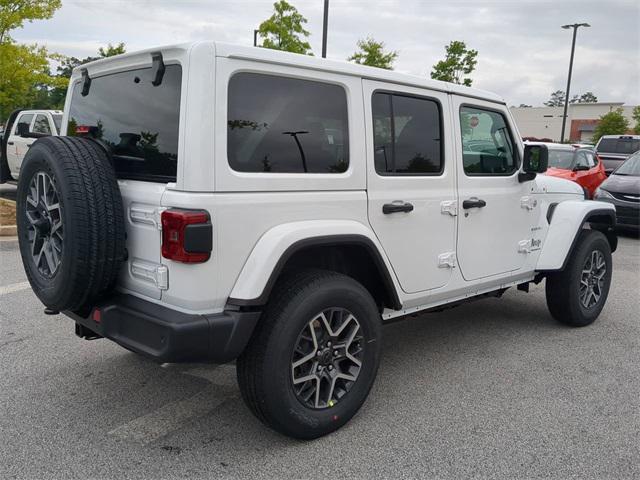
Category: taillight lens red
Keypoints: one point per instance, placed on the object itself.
(174, 226)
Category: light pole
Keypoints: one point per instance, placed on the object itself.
(575, 27)
(255, 38)
(325, 22)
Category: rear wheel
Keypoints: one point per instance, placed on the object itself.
(577, 294)
(314, 355)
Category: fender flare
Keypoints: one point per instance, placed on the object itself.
(566, 220)
(272, 251)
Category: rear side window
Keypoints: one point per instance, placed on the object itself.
(487, 145)
(41, 125)
(286, 125)
(619, 145)
(407, 135)
(137, 121)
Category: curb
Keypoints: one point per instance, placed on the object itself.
(8, 230)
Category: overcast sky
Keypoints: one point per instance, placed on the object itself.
(523, 52)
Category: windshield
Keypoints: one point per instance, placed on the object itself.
(631, 167)
(561, 159)
(57, 119)
(619, 145)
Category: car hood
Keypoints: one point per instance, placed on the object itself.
(622, 184)
(559, 172)
(553, 184)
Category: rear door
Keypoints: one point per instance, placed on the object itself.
(411, 182)
(496, 210)
(138, 123)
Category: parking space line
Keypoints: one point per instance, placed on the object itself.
(14, 287)
(172, 416)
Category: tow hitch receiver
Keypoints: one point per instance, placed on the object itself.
(86, 333)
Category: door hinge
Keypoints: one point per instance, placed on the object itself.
(528, 202)
(151, 273)
(146, 214)
(450, 207)
(524, 246)
(447, 260)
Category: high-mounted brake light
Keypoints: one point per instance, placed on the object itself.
(187, 235)
(82, 129)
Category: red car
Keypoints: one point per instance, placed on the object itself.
(580, 165)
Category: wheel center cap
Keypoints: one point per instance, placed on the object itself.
(325, 356)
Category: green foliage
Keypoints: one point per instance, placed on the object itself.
(24, 74)
(13, 14)
(459, 62)
(612, 123)
(557, 99)
(636, 117)
(284, 30)
(112, 50)
(372, 53)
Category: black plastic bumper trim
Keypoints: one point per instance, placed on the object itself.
(167, 335)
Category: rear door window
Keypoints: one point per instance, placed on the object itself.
(619, 145)
(41, 125)
(137, 121)
(286, 125)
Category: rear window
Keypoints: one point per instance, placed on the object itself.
(619, 145)
(138, 122)
(286, 125)
(561, 159)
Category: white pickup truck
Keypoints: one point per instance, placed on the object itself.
(23, 128)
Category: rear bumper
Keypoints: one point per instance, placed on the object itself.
(167, 335)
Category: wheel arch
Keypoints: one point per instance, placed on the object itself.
(566, 221)
(353, 252)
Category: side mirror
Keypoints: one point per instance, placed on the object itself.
(22, 130)
(536, 160)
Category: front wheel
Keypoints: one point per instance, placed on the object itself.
(314, 355)
(577, 294)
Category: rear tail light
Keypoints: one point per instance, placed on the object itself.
(187, 235)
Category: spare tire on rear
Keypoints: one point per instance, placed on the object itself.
(70, 222)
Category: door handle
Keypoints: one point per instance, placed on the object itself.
(397, 207)
(9, 143)
(473, 202)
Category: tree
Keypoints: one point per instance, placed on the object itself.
(372, 54)
(612, 123)
(13, 14)
(636, 117)
(24, 71)
(588, 97)
(284, 30)
(459, 61)
(557, 99)
(111, 50)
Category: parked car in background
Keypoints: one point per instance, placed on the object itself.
(622, 188)
(580, 165)
(615, 149)
(583, 145)
(23, 128)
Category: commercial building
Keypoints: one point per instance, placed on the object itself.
(582, 118)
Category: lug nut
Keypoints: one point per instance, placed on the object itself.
(328, 344)
(335, 353)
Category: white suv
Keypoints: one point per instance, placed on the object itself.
(23, 128)
(212, 202)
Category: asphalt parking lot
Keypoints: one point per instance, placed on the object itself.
(490, 389)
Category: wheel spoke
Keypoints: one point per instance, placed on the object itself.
(322, 367)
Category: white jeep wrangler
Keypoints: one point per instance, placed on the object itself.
(211, 202)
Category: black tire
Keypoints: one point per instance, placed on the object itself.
(265, 368)
(563, 287)
(91, 216)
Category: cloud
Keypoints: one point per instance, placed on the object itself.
(523, 52)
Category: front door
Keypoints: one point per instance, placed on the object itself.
(496, 212)
(411, 182)
(17, 146)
